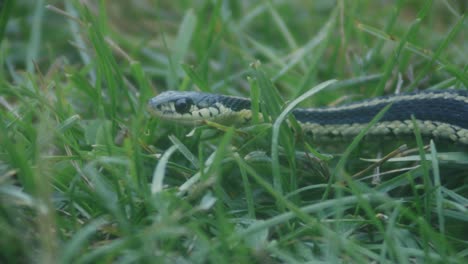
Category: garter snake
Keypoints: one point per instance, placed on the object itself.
(439, 114)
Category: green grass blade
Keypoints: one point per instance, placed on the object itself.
(341, 163)
(392, 62)
(159, 172)
(35, 37)
(6, 10)
(78, 243)
(428, 188)
(277, 124)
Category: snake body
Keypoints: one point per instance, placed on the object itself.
(439, 114)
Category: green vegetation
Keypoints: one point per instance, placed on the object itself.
(87, 176)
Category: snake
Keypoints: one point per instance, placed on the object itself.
(439, 114)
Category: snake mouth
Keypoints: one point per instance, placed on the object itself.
(195, 115)
(167, 111)
(178, 119)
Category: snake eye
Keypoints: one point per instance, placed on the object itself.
(183, 105)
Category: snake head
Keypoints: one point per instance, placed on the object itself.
(194, 108)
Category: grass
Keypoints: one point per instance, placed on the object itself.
(87, 176)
